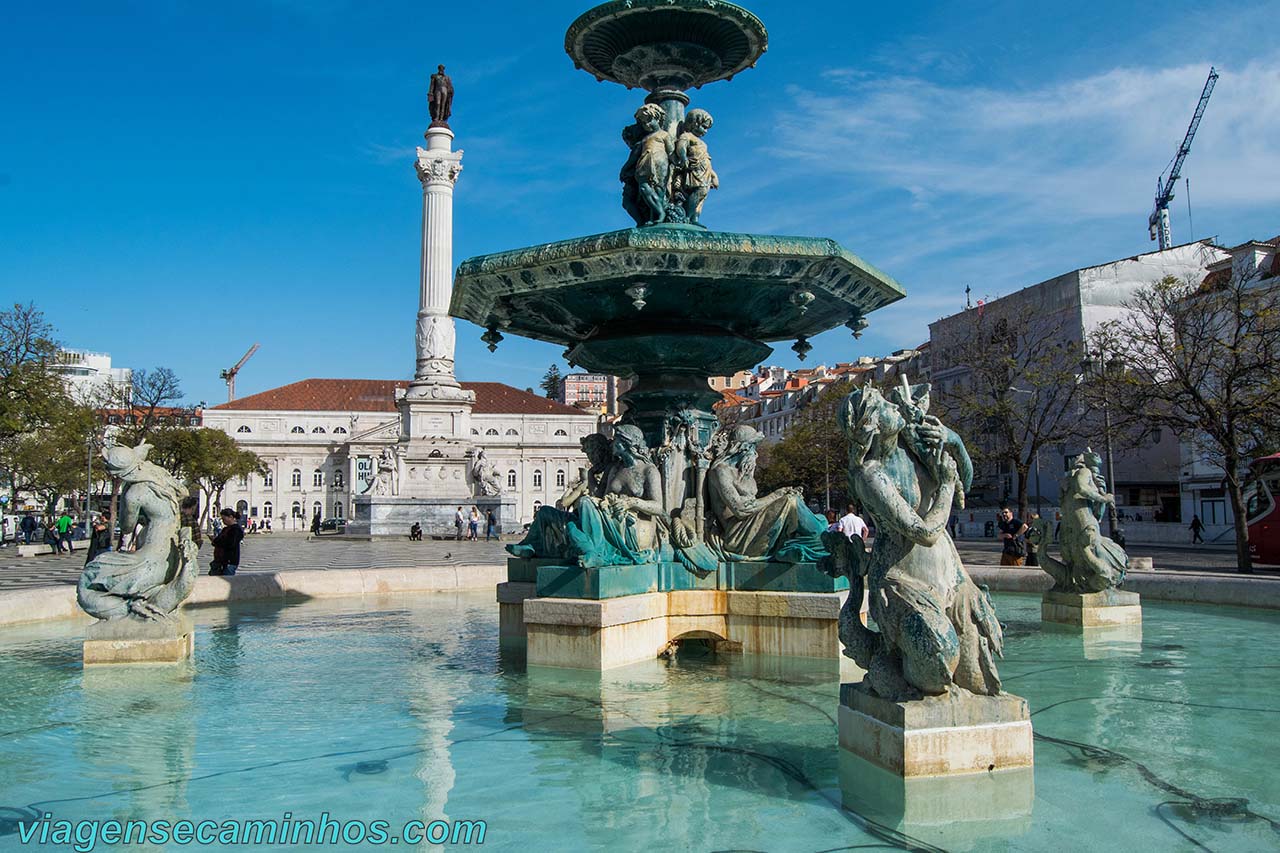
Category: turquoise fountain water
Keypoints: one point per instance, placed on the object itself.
(405, 709)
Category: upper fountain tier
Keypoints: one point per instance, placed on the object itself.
(666, 44)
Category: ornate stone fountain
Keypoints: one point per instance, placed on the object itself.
(664, 536)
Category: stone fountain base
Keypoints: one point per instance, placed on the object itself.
(1091, 610)
(169, 640)
(948, 735)
(600, 634)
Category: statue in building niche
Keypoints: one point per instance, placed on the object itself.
(156, 567)
(1088, 561)
(937, 630)
(668, 173)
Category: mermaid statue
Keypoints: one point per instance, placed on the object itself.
(1089, 562)
(155, 570)
(613, 514)
(938, 631)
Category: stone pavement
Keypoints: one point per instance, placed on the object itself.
(273, 553)
(290, 552)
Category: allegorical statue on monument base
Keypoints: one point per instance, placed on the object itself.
(937, 629)
(155, 570)
(484, 475)
(440, 98)
(1089, 562)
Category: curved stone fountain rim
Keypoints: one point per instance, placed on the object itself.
(45, 604)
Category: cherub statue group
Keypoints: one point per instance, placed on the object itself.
(668, 175)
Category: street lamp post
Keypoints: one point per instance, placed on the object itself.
(1096, 365)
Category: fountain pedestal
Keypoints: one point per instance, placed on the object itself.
(170, 640)
(949, 735)
(1091, 610)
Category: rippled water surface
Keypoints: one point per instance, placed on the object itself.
(406, 709)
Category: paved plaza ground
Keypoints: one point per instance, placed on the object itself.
(289, 552)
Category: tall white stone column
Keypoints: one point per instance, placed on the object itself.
(438, 166)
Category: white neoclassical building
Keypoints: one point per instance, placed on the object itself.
(320, 439)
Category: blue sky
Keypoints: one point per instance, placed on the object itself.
(179, 180)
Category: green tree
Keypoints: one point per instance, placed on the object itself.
(50, 462)
(32, 393)
(1201, 360)
(209, 458)
(551, 381)
(813, 453)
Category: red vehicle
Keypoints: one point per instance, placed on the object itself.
(1261, 495)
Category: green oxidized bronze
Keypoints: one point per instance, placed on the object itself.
(1089, 562)
(668, 304)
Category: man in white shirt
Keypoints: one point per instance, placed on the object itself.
(852, 525)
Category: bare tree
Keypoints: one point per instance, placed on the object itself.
(1017, 394)
(1202, 360)
(31, 391)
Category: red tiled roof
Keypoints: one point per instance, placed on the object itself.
(379, 395)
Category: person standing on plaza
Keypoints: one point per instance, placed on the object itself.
(851, 524)
(65, 523)
(99, 537)
(1012, 531)
(1197, 527)
(1033, 545)
(490, 526)
(28, 526)
(315, 524)
(473, 525)
(458, 521)
(226, 545)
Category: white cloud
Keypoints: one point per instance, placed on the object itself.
(1078, 148)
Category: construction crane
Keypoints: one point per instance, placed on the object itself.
(230, 375)
(1158, 222)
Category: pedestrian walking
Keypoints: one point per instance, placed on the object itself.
(315, 524)
(226, 545)
(99, 537)
(1012, 531)
(490, 526)
(28, 526)
(1033, 542)
(473, 525)
(1197, 527)
(64, 532)
(4, 533)
(458, 521)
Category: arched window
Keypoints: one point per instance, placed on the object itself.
(268, 480)
(560, 479)
(318, 430)
(339, 430)
(243, 429)
(537, 479)
(297, 509)
(317, 477)
(512, 432)
(266, 509)
(338, 479)
(296, 479)
(298, 431)
(491, 431)
(337, 509)
(475, 431)
(317, 509)
(511, 479)
(561, 432)
(242, 507)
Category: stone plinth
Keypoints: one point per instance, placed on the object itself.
(948, 735)
(1091, 610)
(607, 633)
(170, 640)
(554, 579)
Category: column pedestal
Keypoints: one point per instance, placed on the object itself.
(1091, 610)
(125, 641)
